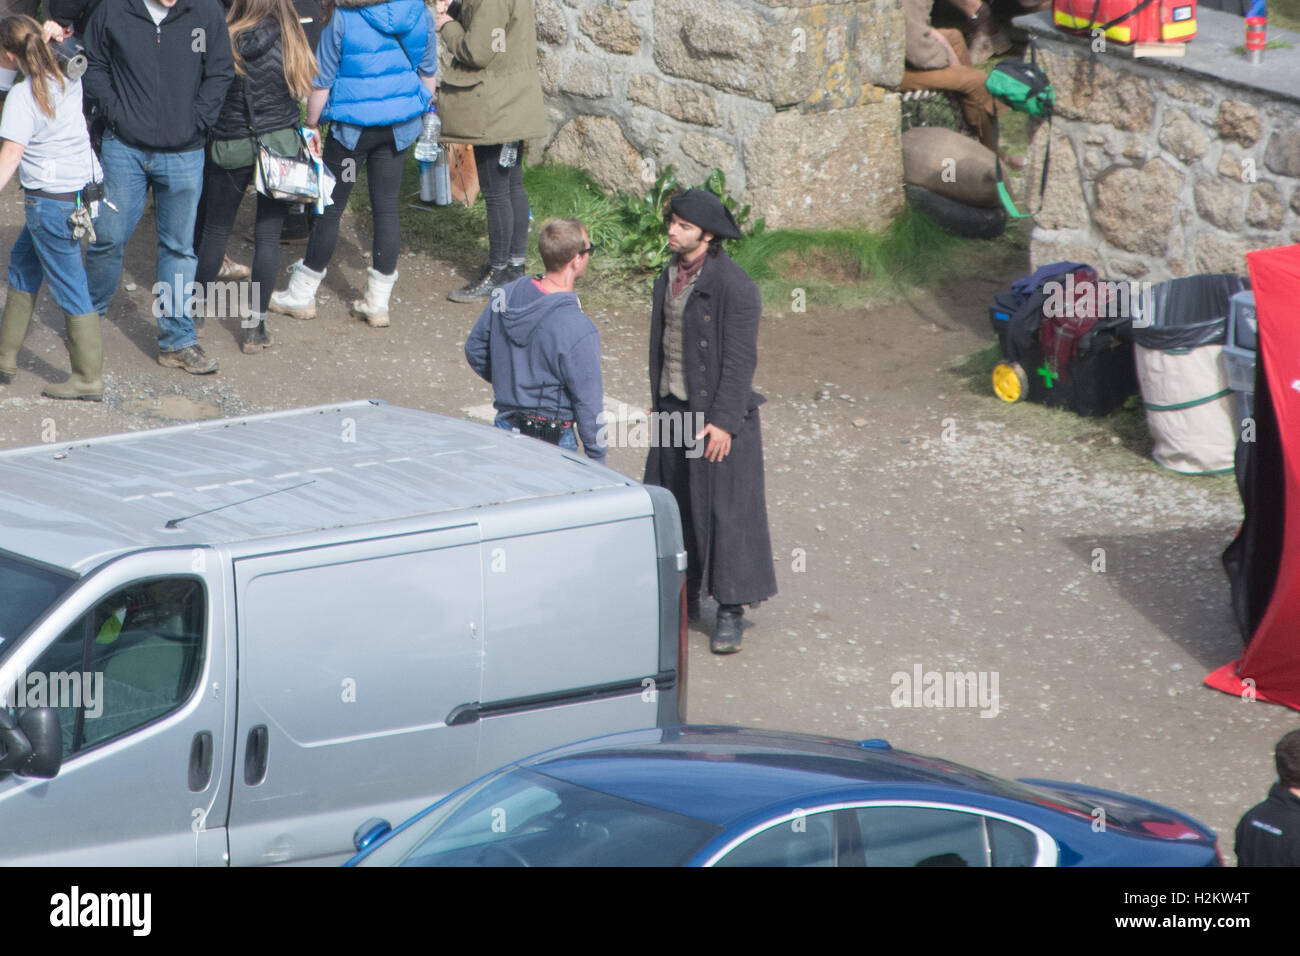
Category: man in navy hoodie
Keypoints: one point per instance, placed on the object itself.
(540, 352)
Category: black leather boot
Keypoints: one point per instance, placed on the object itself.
(731, 624)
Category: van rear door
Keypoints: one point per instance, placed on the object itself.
(573, 613)
(351, 657)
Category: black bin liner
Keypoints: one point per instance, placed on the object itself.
(1186, 313)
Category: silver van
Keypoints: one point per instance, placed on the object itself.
(226, 643)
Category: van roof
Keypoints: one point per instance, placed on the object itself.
(230, 480)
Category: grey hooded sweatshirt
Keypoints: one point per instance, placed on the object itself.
(542, 354)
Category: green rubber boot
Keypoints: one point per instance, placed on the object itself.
(86, 352)
(13, 330)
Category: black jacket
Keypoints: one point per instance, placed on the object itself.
(70, 13)
(158, 87)
(1269, 833)
(310, 10)
(274, 107)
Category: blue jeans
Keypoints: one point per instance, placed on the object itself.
(177, 182)
(568, 437)
(46, 250)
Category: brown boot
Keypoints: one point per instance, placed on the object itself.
(13, 331)
(86, 353)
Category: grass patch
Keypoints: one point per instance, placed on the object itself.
(1270, 45)
(836, 268)
(1284, 14)
(845, 267)
(1119, 441)
(1121, 436)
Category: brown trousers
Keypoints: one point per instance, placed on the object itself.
(977, 103)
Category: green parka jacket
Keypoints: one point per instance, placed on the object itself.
(491, 90)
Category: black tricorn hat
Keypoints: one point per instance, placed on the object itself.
(701, 208)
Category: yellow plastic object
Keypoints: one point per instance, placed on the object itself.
(1010, 383)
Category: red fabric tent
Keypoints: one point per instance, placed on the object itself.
(1270, 599)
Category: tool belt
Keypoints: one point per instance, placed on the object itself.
(538, 426)
(87, 199)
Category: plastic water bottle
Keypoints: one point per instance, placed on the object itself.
(442, 178)
(426, 151)
(509, 155)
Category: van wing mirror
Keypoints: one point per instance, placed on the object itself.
(31, 742)
(15, 749)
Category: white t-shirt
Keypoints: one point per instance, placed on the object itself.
(157, 11)
(56, 152)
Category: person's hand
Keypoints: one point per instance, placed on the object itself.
(54, 32)
(313, 144)
(943, 42)
(441, 20)
(719, 442)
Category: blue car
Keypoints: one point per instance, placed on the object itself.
(723, 796)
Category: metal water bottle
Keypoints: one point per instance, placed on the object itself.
(426, 151)
(1256, 31)
(442, 177)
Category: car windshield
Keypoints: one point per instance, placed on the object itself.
(524, 818)
(26, 592)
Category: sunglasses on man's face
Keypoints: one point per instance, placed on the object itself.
(588, 251)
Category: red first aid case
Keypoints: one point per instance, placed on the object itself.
(1129, 21)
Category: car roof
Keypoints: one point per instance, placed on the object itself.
(73, 505)
(723, 774)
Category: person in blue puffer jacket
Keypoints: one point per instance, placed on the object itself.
(377, 60)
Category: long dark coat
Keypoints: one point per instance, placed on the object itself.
(727, 498)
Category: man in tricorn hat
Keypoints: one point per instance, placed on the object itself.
(703, 349)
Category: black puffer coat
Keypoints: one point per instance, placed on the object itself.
(273, 105)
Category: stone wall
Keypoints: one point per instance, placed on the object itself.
(1164, 168)
(786, 97)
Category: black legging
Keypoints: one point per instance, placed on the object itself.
(377, 151)
(507, 205)
(222, 191)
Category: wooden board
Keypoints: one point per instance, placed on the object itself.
(1137, 50)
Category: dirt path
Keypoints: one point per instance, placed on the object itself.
(898, 546)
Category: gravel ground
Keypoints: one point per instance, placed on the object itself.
(912, 523)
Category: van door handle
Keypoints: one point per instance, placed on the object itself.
(255, 754)
(201, 761)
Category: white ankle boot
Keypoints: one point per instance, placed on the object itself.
(374, 307)
(299, 300)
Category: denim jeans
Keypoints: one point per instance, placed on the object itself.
(46, 250)
(568, 437)
(177, 182)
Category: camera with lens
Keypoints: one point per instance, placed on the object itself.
(71, 57)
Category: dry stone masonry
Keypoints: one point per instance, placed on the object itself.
(789, 99)
(1162, 168)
